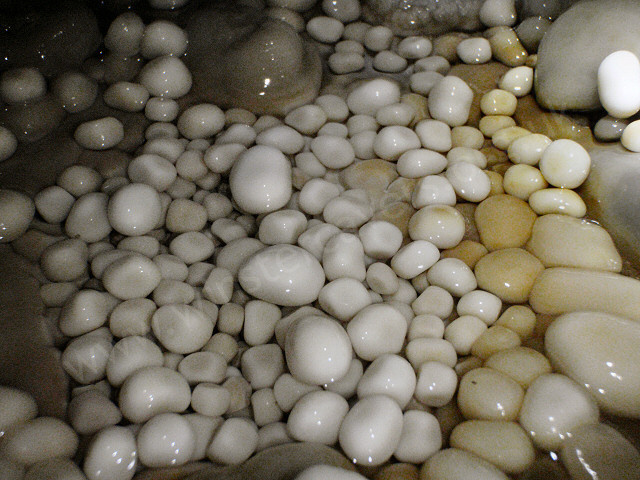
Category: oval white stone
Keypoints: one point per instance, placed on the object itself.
(619, 84)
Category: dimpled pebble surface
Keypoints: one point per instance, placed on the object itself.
(392, 275)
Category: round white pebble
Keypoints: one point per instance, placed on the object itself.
(134, 209)
(166, 440)
(166, 76)
(474, 50)
(368, 97)
(619, 84)
(100, 134)
(201, 121)
(565, 164)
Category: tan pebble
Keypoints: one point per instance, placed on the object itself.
(369, 175)
(498, 102)
(560, 290)
(501, 168)
(448, 416)
(446, 45)
(400, 190)
(419, 104)
(491, 124)
(532, 60)
(398, 214)
(468, 251)
(504, 221)
(557, 200)
(486, 394)
(509, 273)
(523, 180)
(505, 137)
(466, 364)
(590, 450)
(554, 125)
(465, 136)
(456, 464)
(504, 444)
(398, 471)
(519, 318)
(506, 46)
(564, 241)
(494, 155)
(495, 339)
(522, 364)
(496, 180)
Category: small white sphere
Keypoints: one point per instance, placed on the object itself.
(134, 209)
(20, 85)
(16, 212)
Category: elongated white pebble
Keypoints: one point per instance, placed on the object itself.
(618, 80)
(20, 85)
(396, 114)
(333, 152)
(234, 442)
(325, 29)
(201, 121)
(16, 407)
(436, 383)
(371, 431)
(553, 406)
(260, 180)
(316, 417)
(152, 390)
(166, 76)
(85, 357)
(414, 258)
(453, 275)
(112, 452)
(16, 212)
(126, 96)
(390, 375)
(161, 109)
(318, 350)
(376, 330)
(133, 276)
(450, 101)
(370, 96)
(282, 274)
(389, 62)
(343, 256)
(321, 472)
(134, 209)
(283, 226)
(91, 411)
(565, 164)
(124, 34)
(8, 143)
(192, 247)
(30, 442)
(421, 437)
(181, 328)
(518, 81)
(307, 119)
(474, 50)
(130, 354)
(393, 141)
(420, 163)
(382, 279)
(557, 200)
(468, 181)
(456, 464)
(528, 149)
(166, 440)
(100, 134)
(421, 350)
(378, 38)
(487, 394)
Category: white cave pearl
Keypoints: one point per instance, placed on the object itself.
(619, 84)
(100, 134)
(134, 209)
(284, 274)
(166, 76)
(166, 440)
(112, 454)
(260, 180)
(371, 431)
(318, 350)
(317, 416)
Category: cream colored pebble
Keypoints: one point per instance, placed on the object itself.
(441, 465)
(8, 144)
(17, 407)
(128, 355)
(317, 416)
(91, 411)
(423, 82)
(522, 364)
(498, 102)
(162, 37)
(17, 211)
(528, 149)
(113, 450)
(126, 96)
(434, 300)
(557, 200)
(423, 349)
(100, 134)
(166, 76)
(426, 326)
(434, 135)
(201, 367)
(523, 180)
(631, 137)
(234, 441)
(124, 34)
(132, 317)
(376, 330)
(503, 138)
(264, 407)
(436, 383)
(518, 81)
(495, 339)
(210, 399)
(565, 164)
(491, 124)
(441, 225)
(463, 332)
(487, 394)
(519, 318)
(21, 85)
